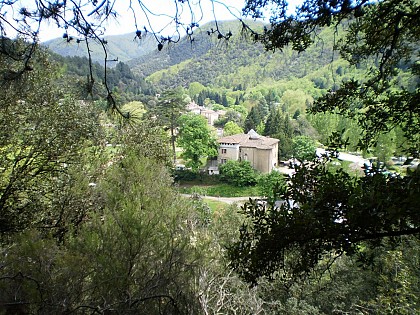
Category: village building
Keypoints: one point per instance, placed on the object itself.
(260, 151)
(193, 107)
(209, 114)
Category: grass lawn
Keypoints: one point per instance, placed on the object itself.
(219, 190)
(215, 206)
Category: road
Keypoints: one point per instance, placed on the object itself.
(357, 160)
(346, 157)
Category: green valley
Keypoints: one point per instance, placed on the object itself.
(233, 167)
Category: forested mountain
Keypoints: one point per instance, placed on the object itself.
(233, 72)
(186, 50)
(237, 63)
(122, 47)
(237, 69)
(119, 78)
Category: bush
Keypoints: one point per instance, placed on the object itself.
(221, 190)
(238, 173)
(185, 175)
(271, 185)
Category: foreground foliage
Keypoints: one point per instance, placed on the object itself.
(196, 140)
(133, 254)
(42, 143)
(324, 215)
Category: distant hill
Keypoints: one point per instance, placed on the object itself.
(237, 64)
(122, 47)
(75, 71)
(186, 50)
(239, 68)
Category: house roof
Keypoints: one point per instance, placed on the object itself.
(250, 140)
(193, 105)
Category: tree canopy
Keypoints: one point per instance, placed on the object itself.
(239, 173)
(303, 148)
(41, 142)
(170, 106)
(196, 139)
(231, 128)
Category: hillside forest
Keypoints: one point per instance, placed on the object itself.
(104, 211)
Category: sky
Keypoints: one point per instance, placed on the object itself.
(206, 12)
(159, 15)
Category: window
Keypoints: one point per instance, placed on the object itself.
(223, 161)
(223, 151)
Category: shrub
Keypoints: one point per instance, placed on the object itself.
(271, 185)
(238, 173)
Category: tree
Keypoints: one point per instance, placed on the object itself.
(325, 215)
(144, 222)
(252, 120)
(170, 106)
(382, 105)
(194, 89)
(232, 128)
(385, 147)
(43, 142)
(279, 127)
(146, 139)
(274, 123)
(396, 278)
(217, 107)
(303, 148)
(231, 116)
(285, 145)
(271, 185)
(224, 100)
(135, 108)
(294, 100)
(260, 128)
(196, 139)
(336, 214)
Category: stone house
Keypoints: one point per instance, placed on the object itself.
(212, 115)
(209, 114)
(260, 151)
